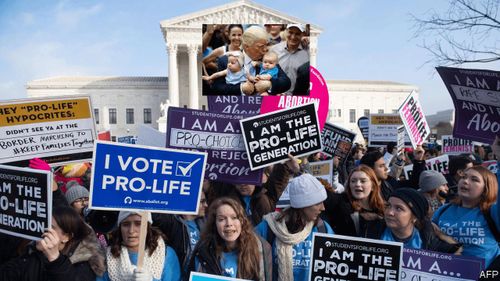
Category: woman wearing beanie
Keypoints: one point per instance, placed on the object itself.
(434, 187)
(406, 221)
(473, 217)
(360, 208)
(77, 196)
(228, 245)
(160, 261)
(290, 232)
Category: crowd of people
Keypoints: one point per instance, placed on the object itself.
(255, 60)
(239, 232)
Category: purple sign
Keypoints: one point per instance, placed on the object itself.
(220, 136)
(476, 97)
(248, 105)
(428, 265)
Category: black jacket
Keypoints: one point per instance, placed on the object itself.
(280, 84)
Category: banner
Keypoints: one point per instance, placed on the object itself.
(414, 120)
(25, 202)
(428, 265)
(270, 137)
(126, 139)
(238, 105)
(220, 136)
(383, 129)
(454, 146)
(440, 164)
(57, 130)
(330, 136)
(133, 177)
(476, 97)
(197, 276)
(337, 257)
(363, 124)
(322, 169)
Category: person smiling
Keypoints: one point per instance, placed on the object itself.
(160, 261)
(228, 245)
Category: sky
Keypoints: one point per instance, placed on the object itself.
(361, 40)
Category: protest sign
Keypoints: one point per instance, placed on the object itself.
(197, 276)
(343, 150)
(322, 169)
(126, 139)
(476, 97)
(454, 146)
(439, 164)
(414, 120)
(270, 137)
(401, 139)
(57, 130)
(491, 165)
(220, 136)
(318, 94)
(105, 135)
(134, 177)
(337, 257)
(427, 265)
(25, 201)
(239, 105)
(383, 129)
(330, 136)
(363, 124)
(150, 136)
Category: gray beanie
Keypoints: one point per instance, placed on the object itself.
(430, 180)
(75, 191)
(305, 191)
(125, 214)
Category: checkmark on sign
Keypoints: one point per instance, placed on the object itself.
(184, 168)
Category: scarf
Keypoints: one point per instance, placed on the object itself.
(122, 269)
(284, 244)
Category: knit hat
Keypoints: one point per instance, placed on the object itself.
(305, 191)
(125, 214)
(416, 201)
(75, 191)
(430, 180)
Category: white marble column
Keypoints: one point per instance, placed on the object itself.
(312, 52)
(173, 75)
(193, 76)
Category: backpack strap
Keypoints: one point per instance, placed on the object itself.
(442, 210)
(491, 225)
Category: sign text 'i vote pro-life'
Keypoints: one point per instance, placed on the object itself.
(270, 137)
(136, 177)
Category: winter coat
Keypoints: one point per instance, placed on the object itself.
(84, 263)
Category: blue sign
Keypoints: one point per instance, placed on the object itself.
(133, 177)
(126, 139)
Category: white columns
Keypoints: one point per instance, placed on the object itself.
(313, 52)
(173, 78)
(193, 76)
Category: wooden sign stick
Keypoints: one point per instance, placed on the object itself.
(142, 239)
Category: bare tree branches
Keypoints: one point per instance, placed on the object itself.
(469, 32)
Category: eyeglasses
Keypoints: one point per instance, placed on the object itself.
(81, 200)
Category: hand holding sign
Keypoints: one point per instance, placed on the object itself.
(418, 153)
(49, 245)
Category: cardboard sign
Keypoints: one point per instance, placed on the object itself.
(337, 257)
(428, 265)
(219, 135)
(318, 94)
(330, 136)
(197, 276)
(57, 130)
(322, 169)
(269, 138)
(383, 129)
(363, 125)
(476, 97)
(414, 120)
(25, 201)
(454, 146)
(491, 165)
(238, 105)
(440, 164)
(133, 177)
(401, 139)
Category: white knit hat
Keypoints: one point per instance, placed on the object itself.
(125, 214)
(305, 191)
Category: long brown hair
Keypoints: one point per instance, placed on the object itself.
(374, 199)
(295, 219)
(153, 234)
(490, 192)
(70, 222)
(248, 249)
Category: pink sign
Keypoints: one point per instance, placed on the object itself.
(318, 94)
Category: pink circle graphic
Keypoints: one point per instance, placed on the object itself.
(318, 93)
